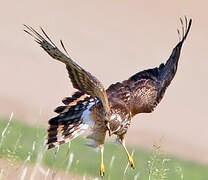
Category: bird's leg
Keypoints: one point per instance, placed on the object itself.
(102, 167)
(131, 162)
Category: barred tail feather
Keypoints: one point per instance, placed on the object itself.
(70, 122)
(62, 134)
(77, 96)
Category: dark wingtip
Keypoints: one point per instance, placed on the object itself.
(62, 44)
(188, 29)
(47, 36)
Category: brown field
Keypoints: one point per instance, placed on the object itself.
(10, 169)
(113, 40)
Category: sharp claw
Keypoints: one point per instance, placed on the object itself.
(133, 166)
(131, 162)
(102, 171)
(102, 174)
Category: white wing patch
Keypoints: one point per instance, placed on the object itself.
(86, 115)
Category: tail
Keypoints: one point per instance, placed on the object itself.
(69, 123)
(168, 70)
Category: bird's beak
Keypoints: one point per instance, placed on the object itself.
(108, 128)
(110, 133)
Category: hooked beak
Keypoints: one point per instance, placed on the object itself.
(110, 133)
(108, 128)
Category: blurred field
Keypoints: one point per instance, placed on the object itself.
(24, 144)
(11, 169)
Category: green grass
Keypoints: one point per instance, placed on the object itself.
(19, 139)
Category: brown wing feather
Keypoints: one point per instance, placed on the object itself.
(136, 96)
(81, 79)
(144, 90)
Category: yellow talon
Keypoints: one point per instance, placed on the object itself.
(131, 162)
(102, 170)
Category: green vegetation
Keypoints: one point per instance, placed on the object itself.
(19, 142)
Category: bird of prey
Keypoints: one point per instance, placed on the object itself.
(106, 110)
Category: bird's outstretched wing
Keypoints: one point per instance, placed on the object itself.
(81, 79)
(144, 90)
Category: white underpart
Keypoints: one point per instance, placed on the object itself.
(113, 117)
(119, 118)
(116, 116)
(86, 115)
(84, 127)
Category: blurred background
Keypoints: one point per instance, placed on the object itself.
(113, 40)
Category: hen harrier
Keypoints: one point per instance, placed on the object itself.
(108, 110)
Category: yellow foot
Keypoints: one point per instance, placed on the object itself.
(131, 162)
(102, 170)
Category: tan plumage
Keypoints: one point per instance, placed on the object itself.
(111, 110)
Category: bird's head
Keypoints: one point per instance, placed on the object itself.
(112, 121)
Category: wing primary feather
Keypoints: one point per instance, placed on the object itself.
(179, 35)
(150, 85)
(36, 33)
(36, 39)
(182, 27)
(62, 44)
(81, 79)
(187, 31)
(168, 71)
(47, 36)
(186, 21)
